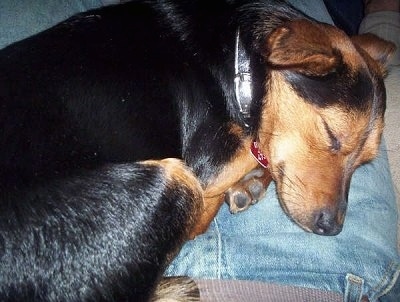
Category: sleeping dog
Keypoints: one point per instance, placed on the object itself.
(90, 208)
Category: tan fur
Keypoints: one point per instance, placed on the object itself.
(176, 289)
(214, 193)
(177, 172)
(299, 137)
(309, 173)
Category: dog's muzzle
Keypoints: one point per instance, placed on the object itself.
(328, 222)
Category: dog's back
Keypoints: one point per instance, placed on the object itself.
(100, 235)
(80, 218)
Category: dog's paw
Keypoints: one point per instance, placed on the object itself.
(248, 191)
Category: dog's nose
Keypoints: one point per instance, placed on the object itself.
(326, 223)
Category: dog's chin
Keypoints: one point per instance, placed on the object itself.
(319, 221)
(300, 221)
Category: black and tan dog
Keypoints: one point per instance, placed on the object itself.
(84, 216)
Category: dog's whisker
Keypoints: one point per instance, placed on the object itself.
(293, 192)
(268, 133)
(300, 181)
(293, 183)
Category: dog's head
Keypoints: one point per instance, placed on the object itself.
(322, 117)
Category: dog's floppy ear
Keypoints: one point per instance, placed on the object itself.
(379, 49)
(302, 46)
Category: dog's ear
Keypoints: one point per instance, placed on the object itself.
(302, 46)
(380, 50)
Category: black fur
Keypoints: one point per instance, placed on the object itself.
(85, 100)
(91, 234)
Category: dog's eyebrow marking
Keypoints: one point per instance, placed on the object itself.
(335, 143)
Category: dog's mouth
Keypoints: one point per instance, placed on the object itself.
(326, 221)
(317, 207)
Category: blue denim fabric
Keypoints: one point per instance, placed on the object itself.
(264, 244)
(23, 18)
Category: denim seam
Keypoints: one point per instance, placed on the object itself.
(354, 288)
(387, 281)
(219, 249)
(261, 276)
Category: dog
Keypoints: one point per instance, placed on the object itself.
(123, 127)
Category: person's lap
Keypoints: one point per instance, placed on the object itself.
(262, 243)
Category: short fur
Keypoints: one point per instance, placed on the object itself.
(83, 102)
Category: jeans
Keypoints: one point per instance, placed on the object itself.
(263, 244)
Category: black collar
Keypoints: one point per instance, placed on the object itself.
(243, 84)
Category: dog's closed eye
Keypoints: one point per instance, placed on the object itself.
(335, 144)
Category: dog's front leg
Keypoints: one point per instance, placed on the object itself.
(214, 194)
(240, 196)
(211, 207)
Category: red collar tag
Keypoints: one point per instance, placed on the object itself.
(258, 155)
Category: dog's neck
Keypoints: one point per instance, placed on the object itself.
(244, 93)
(242, 80)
